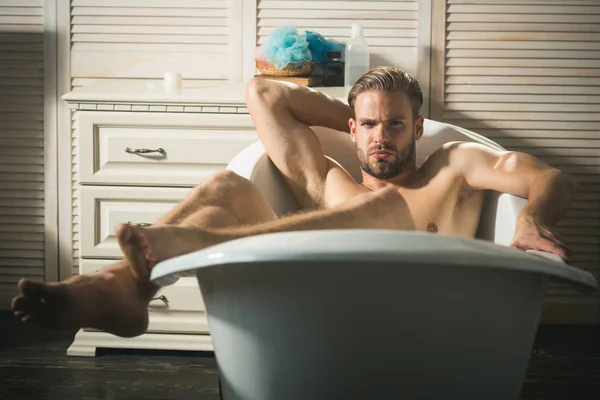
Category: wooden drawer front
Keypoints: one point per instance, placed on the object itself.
(195, 146)
(103, 208)
(185, 311)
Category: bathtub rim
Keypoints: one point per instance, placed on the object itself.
(369, 245)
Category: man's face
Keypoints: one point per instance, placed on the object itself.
(385, 133)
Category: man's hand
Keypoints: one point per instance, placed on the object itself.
(531, 234)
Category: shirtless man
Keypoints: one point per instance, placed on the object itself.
(444, 195)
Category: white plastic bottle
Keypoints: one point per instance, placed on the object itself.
(356, 57)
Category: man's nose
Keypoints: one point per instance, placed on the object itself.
(379, 135)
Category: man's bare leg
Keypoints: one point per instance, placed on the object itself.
(383, 209)
(115, 299)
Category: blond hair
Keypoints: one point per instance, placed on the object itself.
(388, 80)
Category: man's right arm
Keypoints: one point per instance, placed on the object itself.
(283, 114)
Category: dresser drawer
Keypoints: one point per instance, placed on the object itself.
(184, 295)
(102, 208)
(158, 148)
(182, 309)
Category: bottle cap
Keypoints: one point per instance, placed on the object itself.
(357, 30)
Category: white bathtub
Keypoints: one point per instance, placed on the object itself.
(379, 314)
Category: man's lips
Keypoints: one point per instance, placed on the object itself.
(379, 154)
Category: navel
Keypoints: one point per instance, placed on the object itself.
(431, 227)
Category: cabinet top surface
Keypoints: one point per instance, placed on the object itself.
(154, 92)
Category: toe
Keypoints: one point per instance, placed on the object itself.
(28, 319)
(129, 241)
(32, 288)
(26, 305)
(124, 233)
(26, 308)
(142, 240)
(37, 291)
(14, 304)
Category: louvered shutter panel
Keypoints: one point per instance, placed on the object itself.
(21, 142)
(527, 75)
(146, 38)
(390, 27)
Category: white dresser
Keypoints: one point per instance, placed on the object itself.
(140, 149)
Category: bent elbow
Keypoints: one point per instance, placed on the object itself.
(262, 90)
(255, 89)
(564, 181)
(570, 183)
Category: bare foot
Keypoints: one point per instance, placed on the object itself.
(114, 300)
(107, 300)
(159, 243)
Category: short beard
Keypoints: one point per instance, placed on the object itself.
(385, 169)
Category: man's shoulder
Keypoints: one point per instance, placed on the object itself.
(460, 155)
(457, 146)
(448, 151)
(458, 150)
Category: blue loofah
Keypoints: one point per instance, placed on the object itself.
(285, 46)
(319, 47)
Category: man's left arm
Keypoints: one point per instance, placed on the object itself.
(549, 191)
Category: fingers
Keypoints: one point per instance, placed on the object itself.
(558, 243)
(553, 237)
(552, 247)
(544, 244)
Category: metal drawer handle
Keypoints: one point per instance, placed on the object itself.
(140, 224)
(163, 299)
(145, 151)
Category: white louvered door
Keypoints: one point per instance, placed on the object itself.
(391, 26)
(22, 179)
(527, 75)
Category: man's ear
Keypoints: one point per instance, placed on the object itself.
(419, 127)
(352, 124)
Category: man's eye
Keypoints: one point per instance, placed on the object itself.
(368, 124)
(396, 123)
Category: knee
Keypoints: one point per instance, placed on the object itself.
(224, 177)
(220, 185)
(391, 209)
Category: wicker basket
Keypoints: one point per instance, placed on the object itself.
(292, 69)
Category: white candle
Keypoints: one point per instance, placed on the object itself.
(172, 81)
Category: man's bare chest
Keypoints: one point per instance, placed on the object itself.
(444, 208)
(436, 202)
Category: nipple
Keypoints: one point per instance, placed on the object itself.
(431, 227)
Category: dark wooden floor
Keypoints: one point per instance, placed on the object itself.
(565, 365)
